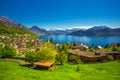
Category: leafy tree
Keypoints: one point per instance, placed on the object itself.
(47, 52)
(7, 51)
(31, 56)
(61, 58)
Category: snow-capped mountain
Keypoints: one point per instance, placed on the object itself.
(96, 30)
(99, 28)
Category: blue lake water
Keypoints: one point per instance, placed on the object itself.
(95, 40)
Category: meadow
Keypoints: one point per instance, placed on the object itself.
(10, 70)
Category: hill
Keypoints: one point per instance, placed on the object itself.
(9, 27)
(38, 30)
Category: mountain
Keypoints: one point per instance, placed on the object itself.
(99, 28)
(98, 31)
(93, 31)
(10, 27)
(11, 22)
(38, 30)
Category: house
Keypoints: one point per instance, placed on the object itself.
(87, 57)
(93, 57)
(114, 54)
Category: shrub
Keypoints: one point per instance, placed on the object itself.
(64, 47)
(31, 56)
(110, 58)
(72, 57)
(1, 48)
(78, 61)
(61, 58)
(116, 49)
(91, 49)
(75, 59)
(7, 51)
(47, 52)
(78, 68)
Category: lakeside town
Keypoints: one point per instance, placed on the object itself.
(59, 39)
(74, 53)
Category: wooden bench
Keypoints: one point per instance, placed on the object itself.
(45, 65)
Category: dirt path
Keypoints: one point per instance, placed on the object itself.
(21, 62)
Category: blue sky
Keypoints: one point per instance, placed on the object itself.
(62, 13)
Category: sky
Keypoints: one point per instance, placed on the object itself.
(62, 13)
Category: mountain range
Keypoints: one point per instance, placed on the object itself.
(93, 31)
(10, 26)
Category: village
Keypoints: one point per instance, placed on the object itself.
(75, 52)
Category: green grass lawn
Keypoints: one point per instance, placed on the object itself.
(102, 71)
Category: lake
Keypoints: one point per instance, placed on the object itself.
(95, 40)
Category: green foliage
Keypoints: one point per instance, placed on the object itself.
(64, 47)
(116, 49)
(7, 51)
(113, 48)
(78, 61)
(72, 57)
(91, 49)
(1, 48)
(110, 58)
(78, 68)
(31, 56)
(47, 52)
(75, 59)
(61, 58)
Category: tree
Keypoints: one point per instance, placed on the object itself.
(47, 52)
(62, 58)
(7, 51)
(31, 56)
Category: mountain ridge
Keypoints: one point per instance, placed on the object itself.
(9, 27)
(95, 31)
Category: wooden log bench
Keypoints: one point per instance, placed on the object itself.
(43, 65)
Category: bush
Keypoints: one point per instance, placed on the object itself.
(110, 58)
(72, 57)
(31, 56)
(64, 47)
(61, 58)
(7, 51)
(91, 49)
(47, 52)
(75, 59)
(78, 68)
(78, 61)
(116, 49)
(1, 48)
